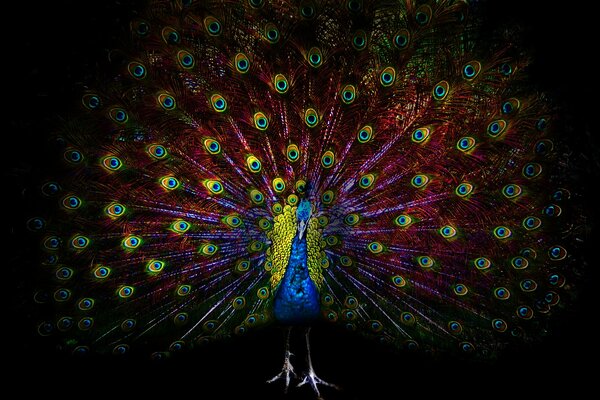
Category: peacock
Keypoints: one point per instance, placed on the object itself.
(368, 165)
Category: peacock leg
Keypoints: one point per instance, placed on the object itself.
(288, 369)
(310, 377)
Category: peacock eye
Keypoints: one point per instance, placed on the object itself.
(278, 185)
(464, 189)
(155, 266)
(419, 181)
(311, 117)
(355, 6)
(136, 70)
(365, 134)
(532, 170)
(505, 69)
(482, 263)
(260, 121)
(447, 231)
(471, 70)
(293, 153)
(455, 327)
(502, 232)
(131, 242)
(141, 28)
(242, 63)
(440, 91)
(314, 57)
(271, 33)
(213, 26)
(118, 115)
(170, 35)
(348, 94)
(425, 261)
(387, 76)
(71, 202)
(403, 220)
(208, 249)
(50, 189)
(423, 15)
(213, 186)
(169, 182)
(500, 325)
(402, 39)
(253, 163)
(524, 312)
(157, 151)
(421, 135)
(557, 253)
(80, 242)
(511, 106)
(281, 83)
(185, 59)
(366, 181)
(501, 293)
(359, 40)
(184, 290)
(125, 292)
(399, 281)
(218, 102)
(91, 101)
(102, 272)
(73, 156)
(375, 247)
(465, 144)
(460, 290)
(307, 10)
(351, 219)
(327, 159)
(531, 223)
(111, 163)
(180, 226)
(496, 128)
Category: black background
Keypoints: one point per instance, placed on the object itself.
(51, 47)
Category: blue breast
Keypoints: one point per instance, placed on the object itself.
(297, 298)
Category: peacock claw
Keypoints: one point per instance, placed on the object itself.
(287, 372)
(313, 380)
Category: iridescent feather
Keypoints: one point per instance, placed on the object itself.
(257, 163)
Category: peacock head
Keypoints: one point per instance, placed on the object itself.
(303, 213)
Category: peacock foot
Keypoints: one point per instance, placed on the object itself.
(313, 380)
(287, 372)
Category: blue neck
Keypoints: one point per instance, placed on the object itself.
(297, 298)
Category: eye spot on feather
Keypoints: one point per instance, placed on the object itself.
(91, 101)
(213, 26)
(402, 39)
(455, 327)
(218, 103)
(482, 263)
(125, 292)
(315, 57)
(359, 40)
(185, 59)
(524, 312)
(71, 202)
(242, 63)
(440, 91)
(471, 70)
(137, 70)
(365, 134)
(387, 77)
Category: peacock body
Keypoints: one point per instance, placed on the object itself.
(367, 164)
